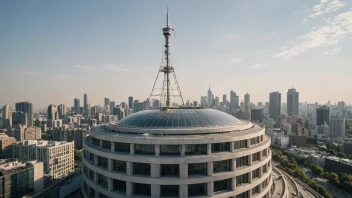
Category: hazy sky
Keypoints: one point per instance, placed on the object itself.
(54, 51)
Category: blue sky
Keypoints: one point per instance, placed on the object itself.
(54, 51)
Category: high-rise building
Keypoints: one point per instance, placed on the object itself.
(58, 157)
(323, 115)
(210, 98)
(106, 101)
(292, 102)
(77, 106)
(247, 104)
(337, 127)
(257, 115)
(6, 117)
(130, 102)
(224, 99)
(111, 107)
(94, 111)
(234, 101)
(23, 132)
(274, 105)
(18, 179)
(5, 146)
(19, 117)
(85, 106)
(52, 112)
(26, 107)
(62, 111)
(217, 102)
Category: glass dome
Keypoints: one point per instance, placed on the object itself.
(179, 118)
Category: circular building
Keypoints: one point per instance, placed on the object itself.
(177, 152)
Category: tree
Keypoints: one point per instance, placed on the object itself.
(334, 179)
(341, 155)
(317, 170)
(325, 175)
(78, 155)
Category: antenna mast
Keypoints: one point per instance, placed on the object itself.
(168, 70)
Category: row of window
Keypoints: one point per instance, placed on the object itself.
(194, 149)
(173, 190)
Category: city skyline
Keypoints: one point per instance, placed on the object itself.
(51, 60)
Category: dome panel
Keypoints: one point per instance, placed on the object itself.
(179, 118)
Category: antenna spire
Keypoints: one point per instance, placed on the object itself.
(167, 16)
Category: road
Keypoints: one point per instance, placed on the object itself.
(279, 185)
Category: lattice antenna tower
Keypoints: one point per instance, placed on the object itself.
(167, 90)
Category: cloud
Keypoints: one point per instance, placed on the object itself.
(236, 60)
(270, 33)
(334, 51)
(64, 76)
(257, 66)
(325, 7)
(84, 67)
(304, 20)
(28, 73)
(296, 12)
(120, 68)
(331, 33)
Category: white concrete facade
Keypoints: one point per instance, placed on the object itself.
(100, 177)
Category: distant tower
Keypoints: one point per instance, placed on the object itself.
(292, 102)
(167, 68)
(274, 105)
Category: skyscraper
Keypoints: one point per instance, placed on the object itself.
(274, 105)
(247, 104)
(130, 102)
(85, 105)
(224, 99)
(234, 101)
(111, 107)
(6, 116)
(62, 110)
(26, 107)
(77, 106)
(210, 98)
(292, 102)
(106, 102)
(337, 127)
(323, 115)
(52, 112)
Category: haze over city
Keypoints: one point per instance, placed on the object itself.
(52, 52)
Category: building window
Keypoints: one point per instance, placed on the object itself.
(95, 141)
(91, 192)
(197, 189)
(220, 147)
(102, 195)
(144, 149)
(106, 144)
(255, 140)
(119, 166)
(243, 195)
(242, 161)
(102, 180)
(196, 149)
(122, 147)
(119, 186)
(256, 157)
(268, 163)
(265, 183)
(141, 169)
(197, 169)
(91, 174)
(169, 170)
(222, 166)
(142, 189)
(222, 185)
(265, 169)
(170, 150)
(265, 151)
(91, 157)
(86, 171)
(169, 190)
(103, 161)
(261, 138)
(240, 144)
(256, 173)
(256, 190)
(242, 179)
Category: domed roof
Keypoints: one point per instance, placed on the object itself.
(179, 118)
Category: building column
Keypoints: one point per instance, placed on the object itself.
(155, 170)
(129, 168)
(131, 149)
(232, 146)
(250, 177)
(157, 150)
(96, 160)
(210, 168)
(110, 164)
(101, 143)
(233, 165)
(183, 150)
(95, 178)
(210, 189)
(129, 189)
(183, 170)
(260, 155)
(248, 143)
(110, 184)
(112, 146)
(96, 193)
(250, 160)
(233, 183)
(209, 149)
(183, 191)
(155, 190)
